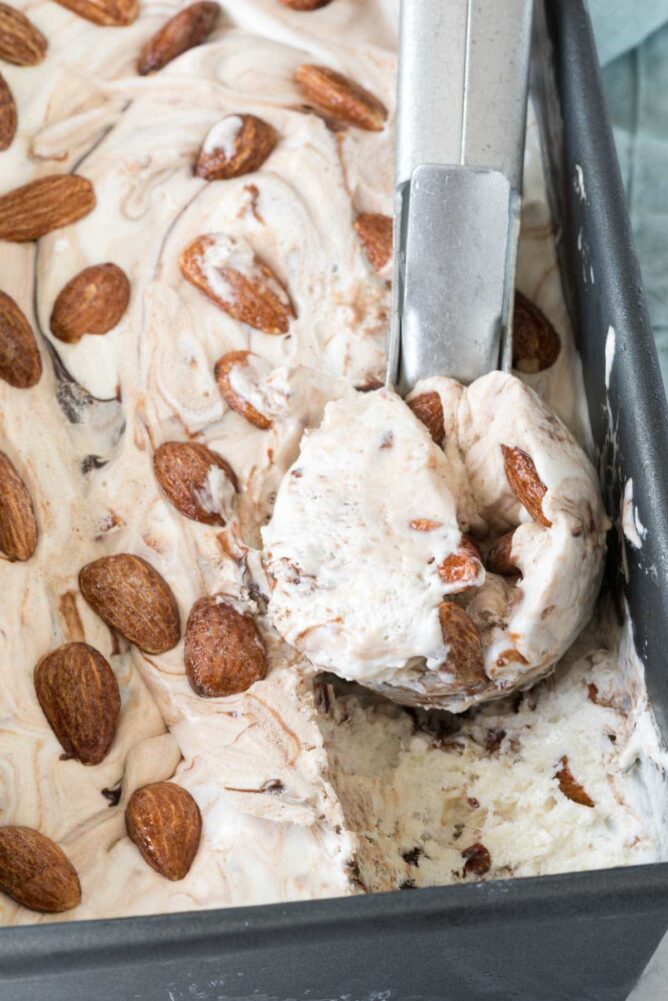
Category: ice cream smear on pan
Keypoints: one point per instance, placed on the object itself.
(197, 278)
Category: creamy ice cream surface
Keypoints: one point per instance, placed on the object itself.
(232, 354)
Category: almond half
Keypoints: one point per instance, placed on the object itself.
(92, 302)
(227, 271)
(36, 208)
(463, 569)
(187, 473)
(525, 483)
(375, 234)
(164, 822)
(500, 556)
(536, 344)
(223, 372)
(570, 787)
(429, 410)
(239, 144)
(190, 27)
(20, 360)
(465, 657)
(20, 41)
(336, 96)
(8, 119)
(18, 525)
(36, 872)
(110, 13)
(223, 651)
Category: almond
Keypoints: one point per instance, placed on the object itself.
(429, 410)
(570, 787)
(8, 118)
(500, 558)
(525, 483)
(18, 525)
(335, 96)
(239, 144)
(478, 860)
(132, 598)
(92, 302)
(223, 372)
(111, 13)
(229, 273)
(424, 525)
(536, 344)
(182, 469)
(20, 41)
(190, 27)
(164, 822)
(305, 4)
(36, 208)
(223, 651)
(463, 568)
(465, 657)
(20, 361)
(79, 696)
(375, 234)
(36, 872)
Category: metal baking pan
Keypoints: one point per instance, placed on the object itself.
(585, 936)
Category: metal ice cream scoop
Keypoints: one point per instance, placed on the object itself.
(461, 122)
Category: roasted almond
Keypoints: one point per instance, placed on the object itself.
(525, 483)
(190, 27)
(8, 118)
(36, 872)
(336, 96)
(500, 558)
(132, 598)
(223, 372)
(231, 275)
(79, 696)
(463, 568)
(429, 410)
(164, 822)
(536, 344)
(305, 4)
(375, 234)
(111, 13)
(239, 144)
(570, 787)
(465, 656)
(223, 651)
(478, 860)
(92, 302)
(194, 479)
(20, 41)
(20, 361)
(36, 208)
(18, 525)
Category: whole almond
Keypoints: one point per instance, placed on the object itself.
(245, 286)
(79, 696)
(20, 361)
(429, 410)
(20, 41)
(239, 144)
(570, 787)
(18, 525)
(336, 96)
(132, 598)
(500, 556)
(164, 822)
(8, 119)
(525, 483)
(36, 208)
(465, 656)
(375, 234)
(223, 651)
(92, 302)
(36, 872)
(305, 4)
(183, 471)
(536, 344)
(190, 27)
(110, 13)
(222, 371)
(463, 568)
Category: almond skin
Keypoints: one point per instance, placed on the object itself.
(164, 822)
(110, 13)
(92, 302)
(79, 696)
(182, 470)
(20, 361)
(8, 119)
(255, 297)
(223, 651)
(36, 872)
(463, 568)
(336, 96)
(190, 27)
(18, 525)
(570, 787)
(222, 371)
(37, 208)
(429, 410)
(500, 559)
(132, 598)
(465, 658)
(253, 143)
(536, 344)
(525, 483)
(21, 42)
(375, 234)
